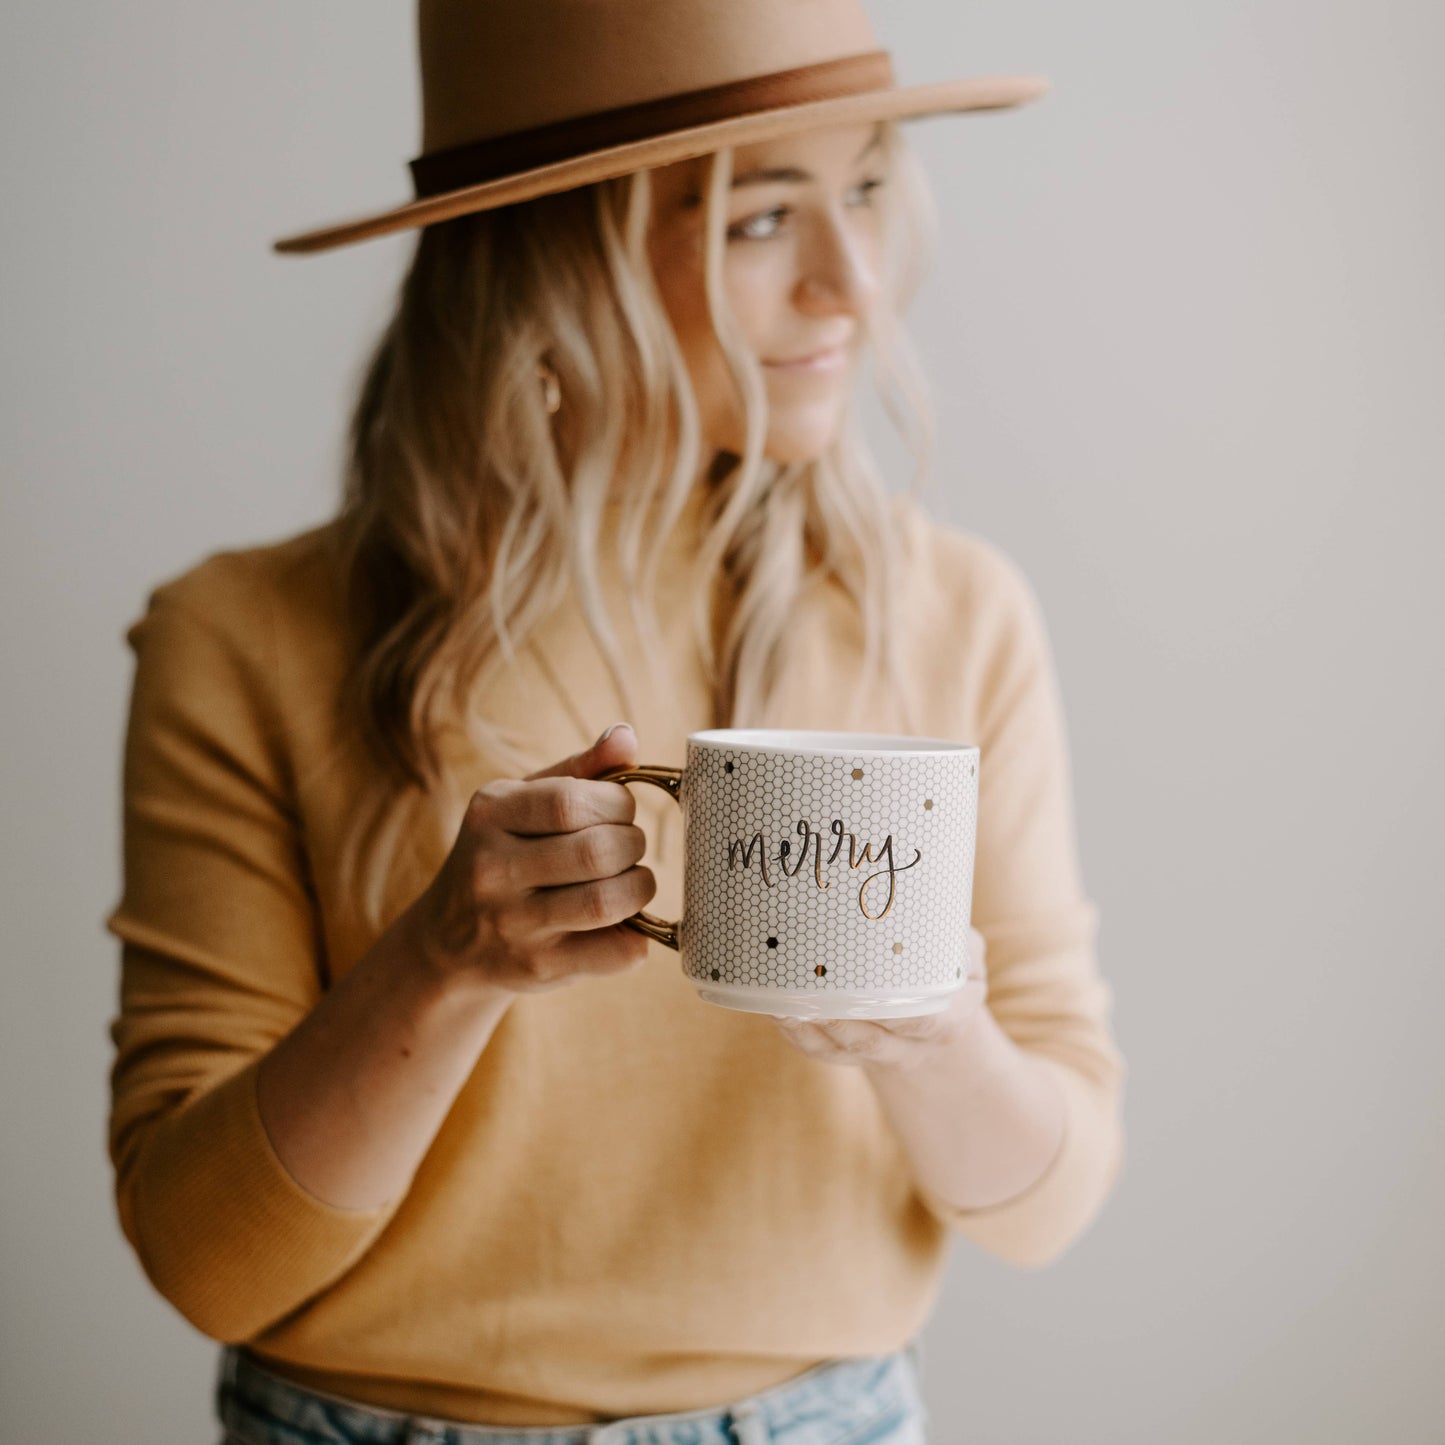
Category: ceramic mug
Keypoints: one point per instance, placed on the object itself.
(825, 874)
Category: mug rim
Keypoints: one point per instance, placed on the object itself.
(836, 744)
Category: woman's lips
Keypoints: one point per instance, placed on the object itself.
(830, 359)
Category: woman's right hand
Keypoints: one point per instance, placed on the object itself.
(542, 873)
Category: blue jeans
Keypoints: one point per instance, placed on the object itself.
(874, 1400)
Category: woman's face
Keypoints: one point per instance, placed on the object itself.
(800, 266)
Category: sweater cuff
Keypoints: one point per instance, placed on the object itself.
(1034, 1228)
(224, 1230)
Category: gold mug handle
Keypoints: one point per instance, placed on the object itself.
(670, 781)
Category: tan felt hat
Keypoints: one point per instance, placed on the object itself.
(525, 97)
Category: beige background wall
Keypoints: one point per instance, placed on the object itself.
(1188, 339)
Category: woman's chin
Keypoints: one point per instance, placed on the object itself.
(800, 434)
(803, 444)
(791, 453)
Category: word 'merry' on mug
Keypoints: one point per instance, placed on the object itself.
(825, 874)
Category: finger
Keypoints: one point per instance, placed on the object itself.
(589, 853)
(573, 907)
(853, 1033)
(613, 949)
(830, 1035)
(803, 1034)
(839, 1040)
(615, 748)
(977, 949)
(557, 804)
(838, 1028)
(923, 1026)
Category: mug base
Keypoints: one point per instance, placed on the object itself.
(838, 1004)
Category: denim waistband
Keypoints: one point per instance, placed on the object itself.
(830, 1401)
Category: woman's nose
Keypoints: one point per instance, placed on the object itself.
(838, 272)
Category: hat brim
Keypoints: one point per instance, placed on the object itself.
(898, 102)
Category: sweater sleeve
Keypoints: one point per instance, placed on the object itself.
(1040, 927)
(220, 957)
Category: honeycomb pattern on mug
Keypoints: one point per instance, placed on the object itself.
(828, 872)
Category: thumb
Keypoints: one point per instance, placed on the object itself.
(615, 748)
(977, 954)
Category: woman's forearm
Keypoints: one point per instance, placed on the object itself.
(353, 1097)
(980, 1122)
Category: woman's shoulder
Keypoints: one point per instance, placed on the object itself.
(961, 570)
(257, 630)
(250, 593)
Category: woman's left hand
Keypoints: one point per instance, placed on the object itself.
(883, 1044)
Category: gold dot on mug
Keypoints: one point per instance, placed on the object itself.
(857, 772)
(928, 802)
(820, 970)
(898, 948)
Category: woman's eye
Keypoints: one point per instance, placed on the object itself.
(747, 230)
(766, 224)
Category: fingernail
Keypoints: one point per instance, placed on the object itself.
(613, 729)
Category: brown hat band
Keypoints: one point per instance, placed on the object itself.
(485, 160)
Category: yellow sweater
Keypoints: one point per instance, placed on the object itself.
(639, 1202)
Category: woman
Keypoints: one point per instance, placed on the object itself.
(403, 1113)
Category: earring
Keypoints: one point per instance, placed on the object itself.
(551, 388)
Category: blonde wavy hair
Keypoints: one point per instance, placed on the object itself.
(468, 510)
